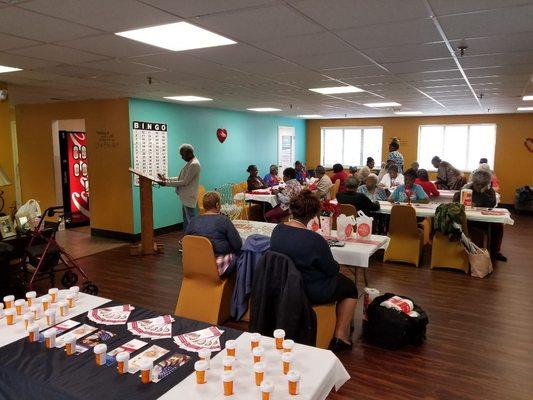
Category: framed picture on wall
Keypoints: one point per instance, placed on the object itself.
(7, 229)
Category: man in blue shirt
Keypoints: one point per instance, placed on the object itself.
(409, 190)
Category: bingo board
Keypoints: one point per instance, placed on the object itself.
(150, 148)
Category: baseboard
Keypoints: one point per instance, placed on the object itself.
(134, 237)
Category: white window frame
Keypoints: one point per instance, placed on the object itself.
(343, 128)
(432, 169)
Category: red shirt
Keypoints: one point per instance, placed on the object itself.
(428, 186)
(342, 176)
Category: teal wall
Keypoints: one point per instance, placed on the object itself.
(252, 139)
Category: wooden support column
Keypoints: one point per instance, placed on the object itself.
(147, 216)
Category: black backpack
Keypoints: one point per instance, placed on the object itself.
(392, 329)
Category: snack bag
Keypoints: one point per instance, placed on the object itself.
(345, 226)
(364, 224)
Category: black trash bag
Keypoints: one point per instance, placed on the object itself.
(392, 329)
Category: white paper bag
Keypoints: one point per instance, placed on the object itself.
(345, 226)
(32, 211)
(314, 225)
(364, 224)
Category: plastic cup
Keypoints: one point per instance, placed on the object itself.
(19, 306)
(227, 382)
(293, 379)
(75, 290)
(279, 335)
(205, 355)
(288, 345)
(267, 390)
(255, 339)
(123, 359)
(50, 316)
(53, 292)
(200, 367)
(70, 300)
(31, 298)
(146, 365)
(286, 362)
(50, 338)
(100, 351)
(259, 371)
(36, 311)
(28, 319)
(46, 300)
(230, 348)
(63, 308)
(70, 344)
(2, 312)
(33, 332)
(228, 362)
(258, 354)
(8, 301)
(10, 316)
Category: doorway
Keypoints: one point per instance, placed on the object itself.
(286, 146)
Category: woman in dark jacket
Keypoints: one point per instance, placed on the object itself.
(320, 272)
(254, 181)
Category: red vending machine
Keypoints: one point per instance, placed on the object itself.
(75, 176)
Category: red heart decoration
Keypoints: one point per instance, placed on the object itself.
(529, 144)
(222, 135)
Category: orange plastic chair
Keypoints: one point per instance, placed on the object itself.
(241, 188)
(200, 198)
(446, 254)
(406, 239)
(346, 209)
(203, 295)
(326, 318)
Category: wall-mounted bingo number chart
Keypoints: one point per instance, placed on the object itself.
(150, 148)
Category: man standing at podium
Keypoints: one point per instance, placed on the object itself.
(186, 183)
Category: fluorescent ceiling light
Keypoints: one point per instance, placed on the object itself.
(527, 98)
(337, 90)
(264, 109)
(309, 116)
(3, 69)
(384, 104)
(524, 109)
(177, 36)
(188, 98)
(407, 112)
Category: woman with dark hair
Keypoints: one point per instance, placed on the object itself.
(410, 191)
(394, 155)
(291, 189)
(301, 172)
(422, 179)
(339, 174)
(254, 181)
(370, 163)
(392, 178)
(320, 272)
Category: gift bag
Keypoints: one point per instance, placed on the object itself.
(345, 226)
(480, 262)
(314, 225)
(32, 211)
(364, 224)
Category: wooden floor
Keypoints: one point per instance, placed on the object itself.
(480, 334)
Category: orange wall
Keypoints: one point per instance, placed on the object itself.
(109, 179)
(513, 163)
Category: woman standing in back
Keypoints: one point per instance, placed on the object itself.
(395, 157)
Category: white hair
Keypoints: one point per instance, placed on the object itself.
(484, 167)
(373, 176)
(187, 147)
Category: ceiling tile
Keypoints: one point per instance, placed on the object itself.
(194, 8)
(121, 66)
(11, 42)
(57, 53)
(443, 7)
(17, 61)
(230, 55)
(408, 52)
(331, 60)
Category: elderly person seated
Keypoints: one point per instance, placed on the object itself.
(358, 200)
(301, 172)
(484, 166)
(220, 231)
(371, 189)
(409, 191)
(291, 189)
(448, 177)
(352, 171)
(422, 179)
(483, 195)
(254, 181)
(323, 282)
(392, 178)
(324, 184)
(272, 179)
(363, 174)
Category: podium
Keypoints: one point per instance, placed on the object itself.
(147, 245)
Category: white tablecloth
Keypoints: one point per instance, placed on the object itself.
(263, 198)
(352, 254)
(12, 333)
(320, 372)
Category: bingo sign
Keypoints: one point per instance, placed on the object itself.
(150, 146)
(79, 179)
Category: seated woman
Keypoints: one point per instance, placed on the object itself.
(272, 179)
(371, 189)
(292, 188)
(392, 178)
(254, 181)
(301, 172)
(339, 174)
(358, 200)
(320, 272)
(422, 179)
(324, 184)
(363, 174)
(409, 191)
(220, 231)
(352, 171)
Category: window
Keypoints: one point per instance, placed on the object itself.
(350, 146)
(460, 145)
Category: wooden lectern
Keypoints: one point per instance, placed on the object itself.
(147, 245)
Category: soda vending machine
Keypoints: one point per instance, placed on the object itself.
(75, 176)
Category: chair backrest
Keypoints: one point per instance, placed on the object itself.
(403, 221)
(239, 188)
(348, 209)
(199, 259)
(200, 198)
(335, 189)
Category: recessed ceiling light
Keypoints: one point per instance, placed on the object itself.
(527, 98)
(384, 104)
(337, 90)
(177, 36)
(264, 109)
(309, 116)
(524, 109)
(3, 69)
(188, 98)
(407, 112)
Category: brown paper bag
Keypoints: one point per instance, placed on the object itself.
(480, 262)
